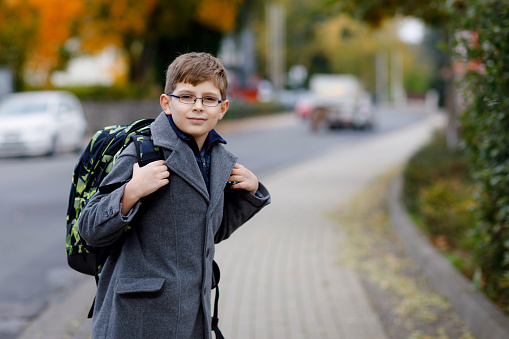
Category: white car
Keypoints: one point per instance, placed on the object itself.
(41, 122)
(339, 100)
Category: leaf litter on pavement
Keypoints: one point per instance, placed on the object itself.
(406, 304)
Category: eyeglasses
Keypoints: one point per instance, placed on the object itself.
(191, 99)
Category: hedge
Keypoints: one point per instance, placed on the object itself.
(485, 133)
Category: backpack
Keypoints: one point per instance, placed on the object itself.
(94, 164)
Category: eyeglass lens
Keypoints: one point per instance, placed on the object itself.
(191, 99)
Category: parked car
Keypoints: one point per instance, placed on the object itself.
(337, 100)
(41, 122)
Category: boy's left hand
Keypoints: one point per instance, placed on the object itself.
(244, 179)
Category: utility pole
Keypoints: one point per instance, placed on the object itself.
(397, 88)
(381, 75)
(275, 19)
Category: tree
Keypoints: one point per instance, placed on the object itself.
(13, 37)
(33, 33)
(152, 32)
(436, 13)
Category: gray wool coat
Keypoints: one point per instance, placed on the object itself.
(156, 282)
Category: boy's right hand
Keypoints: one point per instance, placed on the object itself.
(145, 180)
(148, 179)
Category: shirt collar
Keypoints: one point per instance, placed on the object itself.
(212, 138)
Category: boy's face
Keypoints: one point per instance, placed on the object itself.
(195, 119)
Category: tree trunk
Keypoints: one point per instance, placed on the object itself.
(140, 65)
(451, 104)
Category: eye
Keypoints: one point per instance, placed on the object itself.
(187, 97)
(210, 99)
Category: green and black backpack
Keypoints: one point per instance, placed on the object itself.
(94, 165)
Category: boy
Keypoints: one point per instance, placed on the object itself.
(156, 282)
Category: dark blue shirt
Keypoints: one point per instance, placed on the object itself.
(202, 157)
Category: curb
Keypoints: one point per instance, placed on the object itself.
(482, 316)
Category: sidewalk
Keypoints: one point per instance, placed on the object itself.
(280, 273)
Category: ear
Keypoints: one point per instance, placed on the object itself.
(224, 108)
(164, 100)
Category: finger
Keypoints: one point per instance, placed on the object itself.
(157, 163)
(163, 175)
(236, 178)
(136, 168)
(161, 168)
(158, 166)
(238, 171)
(238, 185)
(238, 166)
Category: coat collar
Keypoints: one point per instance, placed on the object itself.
(180, 160)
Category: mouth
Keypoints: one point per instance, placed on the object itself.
(195, 119)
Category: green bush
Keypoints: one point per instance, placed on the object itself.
(418, 81)
(438, 191)
(485, 131)
(447, 211)
(433, 162)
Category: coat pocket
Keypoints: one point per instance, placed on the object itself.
(138, 285)
(137, 307)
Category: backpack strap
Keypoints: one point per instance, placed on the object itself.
(215, 318)
(146, 150)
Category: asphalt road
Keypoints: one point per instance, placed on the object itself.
(34, 195)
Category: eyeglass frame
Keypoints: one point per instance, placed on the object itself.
(195, 98)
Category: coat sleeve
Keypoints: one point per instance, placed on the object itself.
(240, 206)
(101, 222)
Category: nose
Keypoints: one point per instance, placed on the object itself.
(198, 104)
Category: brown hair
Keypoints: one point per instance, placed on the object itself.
(194, 68)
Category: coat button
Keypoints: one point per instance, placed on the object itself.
(208, 252)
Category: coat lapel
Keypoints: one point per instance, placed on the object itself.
(222, 163)
(179, 156)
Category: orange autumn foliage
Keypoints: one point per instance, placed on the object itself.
(110, 22)
(55, 19)
(39, 29)
(55, 22)
(218, 15)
